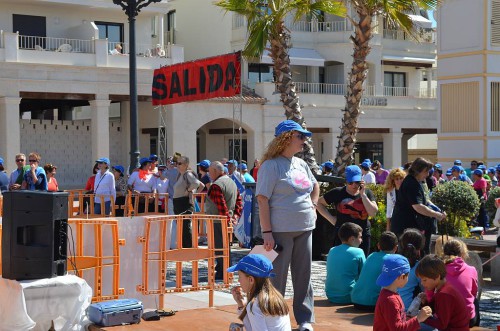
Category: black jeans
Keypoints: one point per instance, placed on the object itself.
(218, 243)
(183, 206)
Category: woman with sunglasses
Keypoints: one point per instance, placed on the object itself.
(287, 193)
(36, 178)
(353, 203)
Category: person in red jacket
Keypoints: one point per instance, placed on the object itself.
(390, 311)
(450, 309)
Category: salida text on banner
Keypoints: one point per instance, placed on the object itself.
(218, 76)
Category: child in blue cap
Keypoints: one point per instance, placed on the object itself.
(264, 308)
(390, 312)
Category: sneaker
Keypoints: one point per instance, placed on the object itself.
(306, 326)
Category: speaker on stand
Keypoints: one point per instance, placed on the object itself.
(34, 235)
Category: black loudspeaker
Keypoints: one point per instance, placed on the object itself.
(34, 235)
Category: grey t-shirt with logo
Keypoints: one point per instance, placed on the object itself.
(288, 183)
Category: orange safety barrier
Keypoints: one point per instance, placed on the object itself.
(155, 261)
(83, 259)
(157, 204)
(0, 249)
(1, 205)
(81, 204)
(200, 200)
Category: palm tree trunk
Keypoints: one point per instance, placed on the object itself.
(286, 87)
(357, 75)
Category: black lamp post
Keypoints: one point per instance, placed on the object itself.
(132, 9)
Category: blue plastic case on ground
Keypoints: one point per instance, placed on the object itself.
(115, 312)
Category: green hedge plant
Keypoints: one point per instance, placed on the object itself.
(491, 209)
(461, 204)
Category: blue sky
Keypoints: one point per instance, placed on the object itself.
(431, 17)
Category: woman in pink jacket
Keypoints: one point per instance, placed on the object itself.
(462, 276)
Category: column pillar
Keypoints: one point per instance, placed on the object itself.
(428, 72)
(100, 128)
(329, 146)
(10, 130)
(161, 30)
(392, 149)
(378, 79)
(404, 147)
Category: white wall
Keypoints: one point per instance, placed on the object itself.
(202, 28)
(67, 144)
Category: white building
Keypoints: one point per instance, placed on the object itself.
(400, 98)
(469, 84)
(65, 96)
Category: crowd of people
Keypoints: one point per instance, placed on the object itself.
(386, 281)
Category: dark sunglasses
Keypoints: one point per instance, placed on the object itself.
(19, 160)
(97, 162)
(301, 136)
(32, 161)
(355, 183)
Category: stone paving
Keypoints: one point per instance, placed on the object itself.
(489, 304)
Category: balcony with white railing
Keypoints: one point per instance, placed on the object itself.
(421, 37)
(316, 26)
(80, 52)
(340, 89)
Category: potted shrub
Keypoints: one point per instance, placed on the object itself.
(461, 204)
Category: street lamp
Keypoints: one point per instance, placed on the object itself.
(132, 9)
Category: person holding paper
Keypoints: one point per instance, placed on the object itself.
(288, 193)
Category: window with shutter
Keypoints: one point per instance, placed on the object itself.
(495, 106)
(495, 23)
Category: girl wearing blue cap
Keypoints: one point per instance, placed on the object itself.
(264, 307)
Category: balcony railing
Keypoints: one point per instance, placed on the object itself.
(422, 37)
(147, 50)
(238, 21)
(56, 44)
(315, 26)
(340, 89)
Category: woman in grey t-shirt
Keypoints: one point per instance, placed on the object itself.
(288, 193)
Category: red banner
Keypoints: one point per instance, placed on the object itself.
(214, 77)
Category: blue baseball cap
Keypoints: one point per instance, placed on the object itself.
(394, 265)
(365, 164)
(498, 167)
(482, 167)
(153, 157)
(463, 177)
(478, 172)
(368, 161)
(328, 165)
(455, 168)
(438, 166)
(119, 168)
(289, 125)
(491, 170)
(243, 166)
(448, 172)
(353, 174)
(233, 162)
(1, 161)
(204, 163)
(457, 162)
(256, 265)
(144, 160)
(103, 160)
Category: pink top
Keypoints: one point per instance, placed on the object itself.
(479, 185)
(463, 277)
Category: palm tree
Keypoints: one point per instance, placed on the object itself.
(266, 26)
(395, 13)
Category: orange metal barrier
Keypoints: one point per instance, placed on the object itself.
(155, 261)
(1, 205)
(81, 204)
(0, 249)
(83, 259)
(141, 204)
(200, 200)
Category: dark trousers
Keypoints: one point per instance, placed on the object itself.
(183, 206)
(120, 204)
(218, 243)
